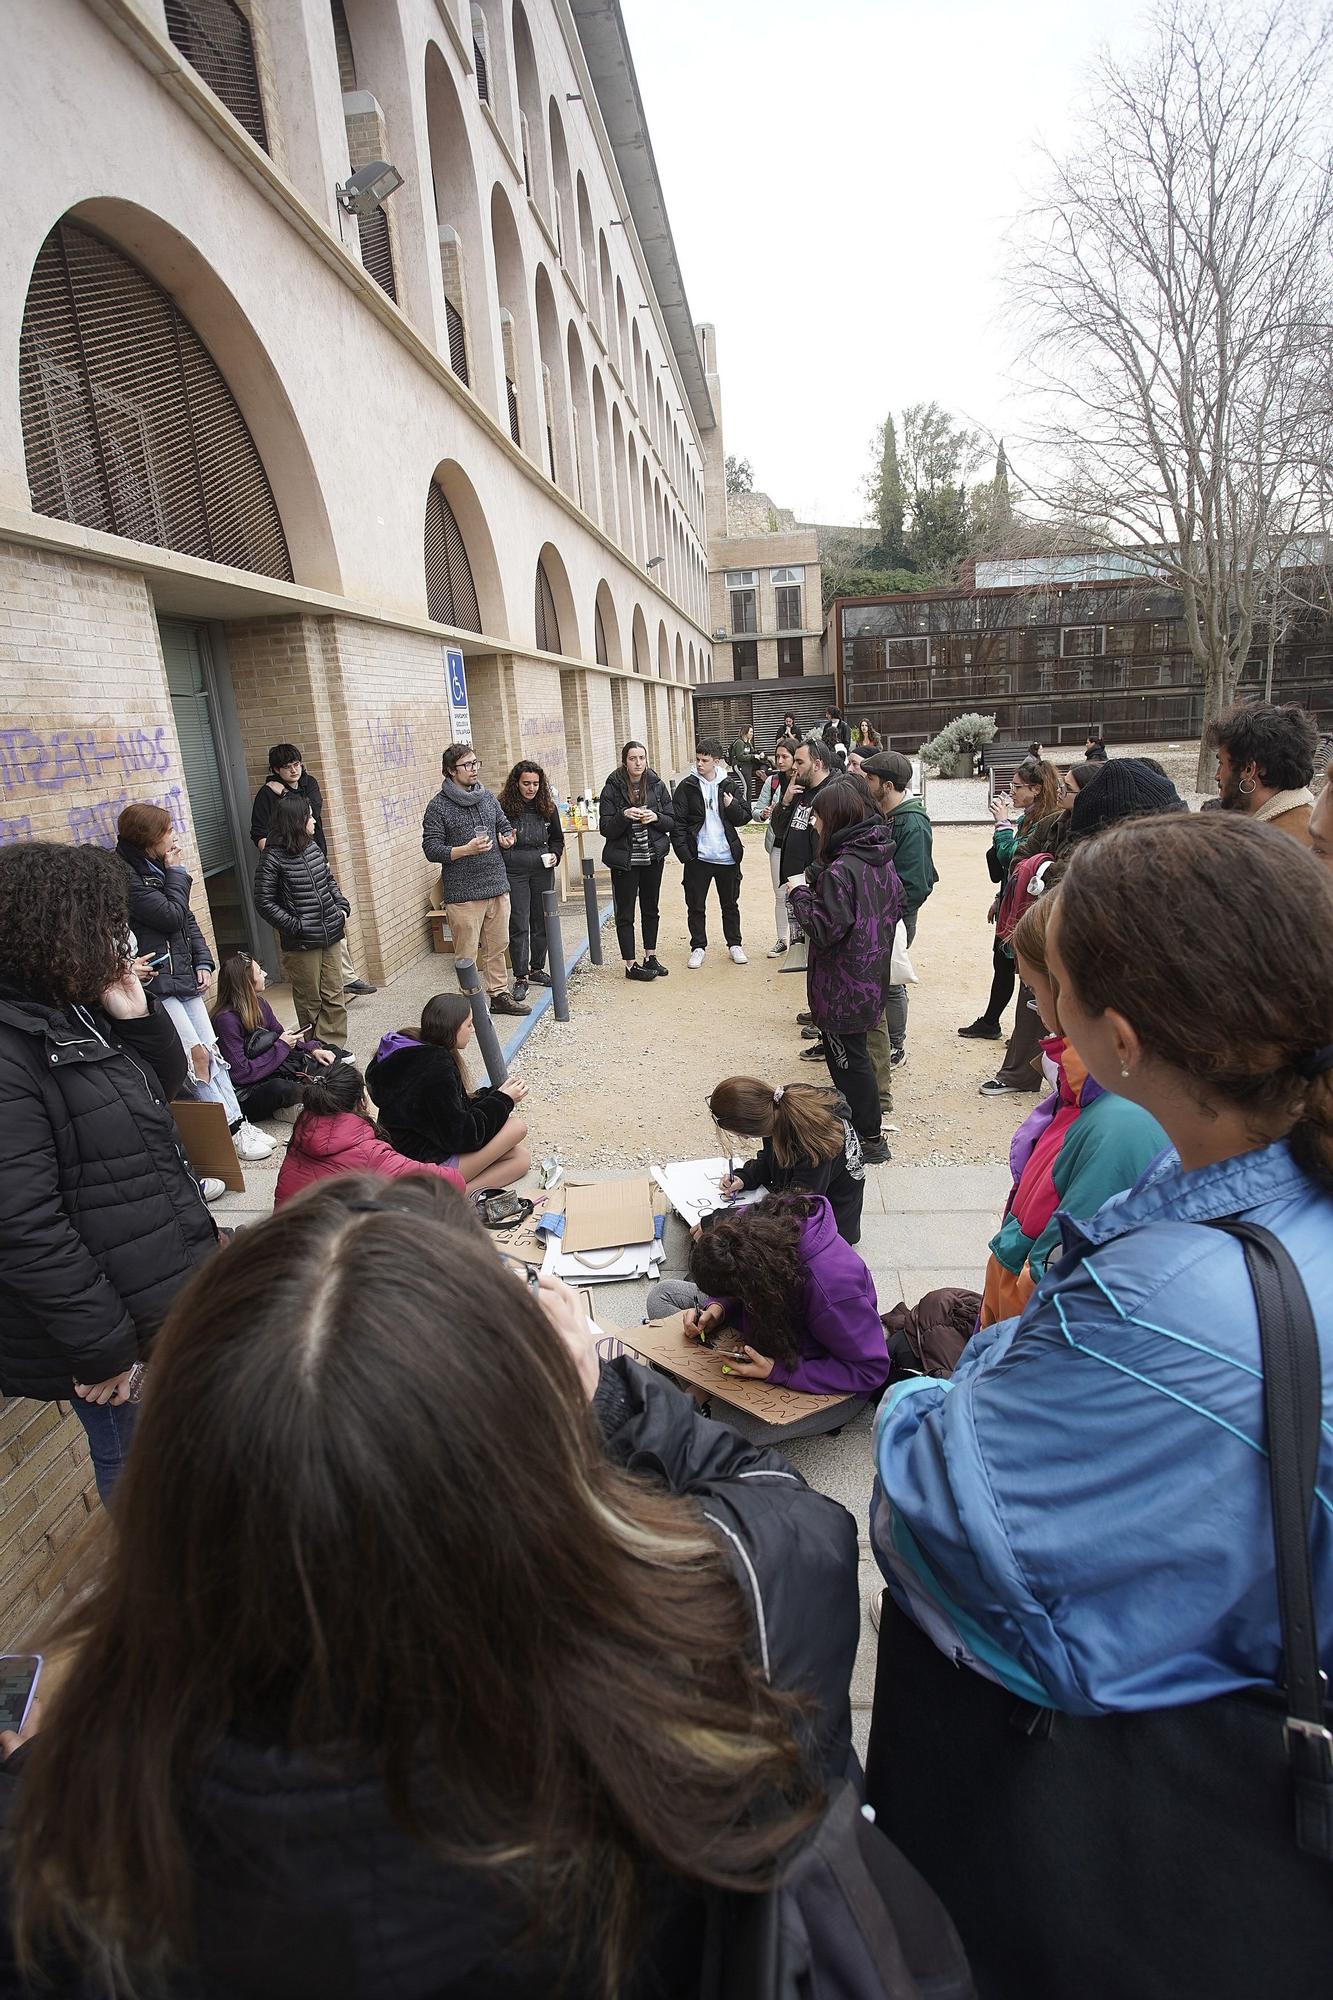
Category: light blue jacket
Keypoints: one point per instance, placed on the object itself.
(1082, 1513)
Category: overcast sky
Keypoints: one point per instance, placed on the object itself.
(839, 177)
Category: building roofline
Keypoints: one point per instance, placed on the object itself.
(601, 31)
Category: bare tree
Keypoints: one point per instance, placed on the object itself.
(1175, 283)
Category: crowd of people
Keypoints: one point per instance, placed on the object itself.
(432, 1653)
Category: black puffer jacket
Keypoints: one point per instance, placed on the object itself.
(534, 835)
(687, 804)
(162, 920)
(298, 895)
(618, 832)
(100, 1220)
(426, 1112)
(306, 1888)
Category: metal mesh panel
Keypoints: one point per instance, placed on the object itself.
(377, 252)
(512, 394)
(214, 37)
(128, 425)
(457, 340)
(483, 73)
(342, 41)
(599, 637)
(548, 625)
(451, 595)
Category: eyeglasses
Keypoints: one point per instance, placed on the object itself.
(469, 763)
(527, 1273)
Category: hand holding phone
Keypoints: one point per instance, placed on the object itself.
(19, 1675)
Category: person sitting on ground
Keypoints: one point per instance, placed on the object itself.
(167, 934)
(634, 816)
(602, 1724)
(428, 1109)
(849, 911)
(1080, 1146)
(269, 1064)
(530, 864)
(1265, 764)
(100, 1221)
(1039, 829)
(334, 1136)
(808, 1140)
(1321, 822)
(297, 892)
(798, 1298)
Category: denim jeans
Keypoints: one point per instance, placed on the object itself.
(110, 1427)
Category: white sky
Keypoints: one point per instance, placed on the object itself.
(875, 152)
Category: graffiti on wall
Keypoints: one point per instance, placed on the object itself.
(403, 785)
(36, 762)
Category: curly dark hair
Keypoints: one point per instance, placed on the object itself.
(753, 1254)
(64, 921)
(1279, 742)
(512, 801)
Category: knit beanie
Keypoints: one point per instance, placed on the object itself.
(1122, 789)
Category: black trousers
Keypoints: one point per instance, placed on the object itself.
(646, 885)
(1021, 1068)
(527, 921)
(853, 1073)
(1003, 980)
(698, 875)
(261, 1100)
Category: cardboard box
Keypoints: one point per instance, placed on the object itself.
(607, 1215)
(663, 1341)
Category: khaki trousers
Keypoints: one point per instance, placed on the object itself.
(480, 931)
(317, 991)
(878, 1049)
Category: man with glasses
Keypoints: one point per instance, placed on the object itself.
(464, 830)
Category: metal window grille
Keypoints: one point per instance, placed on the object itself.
(599, 637)
(457, 340)
(214, 37)
(451, 595)
(128, 425)
(548, 626)
(512, 394)
(483, 73)
(377, 251)
(342, 42)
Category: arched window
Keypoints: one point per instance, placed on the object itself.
(548, 625)
(214, 38)
(128, 425)
(451, 595)
(599, 637)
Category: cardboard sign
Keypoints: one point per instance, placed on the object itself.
(207, 1142)
(607, 1215)
(663, 1341)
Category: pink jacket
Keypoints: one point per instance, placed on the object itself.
(345, 1144)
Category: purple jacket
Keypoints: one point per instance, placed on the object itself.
(842, 1341)
(247, 1071)
(849, 912)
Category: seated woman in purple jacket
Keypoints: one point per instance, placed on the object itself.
(241, 1013)
(800, 1298)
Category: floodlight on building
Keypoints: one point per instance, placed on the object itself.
(368, 188)
(653, 561)
(720, 634)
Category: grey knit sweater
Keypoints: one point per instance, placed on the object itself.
(455, 816)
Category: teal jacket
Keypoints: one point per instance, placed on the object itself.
(913, 837)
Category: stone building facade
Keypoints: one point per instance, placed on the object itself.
(270, 469)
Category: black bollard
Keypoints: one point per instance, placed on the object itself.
(594, 915)
(555, 955)
(497, 1069)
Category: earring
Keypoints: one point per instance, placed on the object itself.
(1123, 1070)
(1247, 786)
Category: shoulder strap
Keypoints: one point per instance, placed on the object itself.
(1292, 1410)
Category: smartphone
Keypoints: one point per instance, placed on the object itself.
(19, 1674)
(163, 958)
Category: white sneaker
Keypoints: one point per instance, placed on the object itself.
(696, 958)
(251, 1143)
(737, 955)
(212, 1190)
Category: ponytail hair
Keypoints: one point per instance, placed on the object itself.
(1213, 937)
(339, 1088)
(801, 1119)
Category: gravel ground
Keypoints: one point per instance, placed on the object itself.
(623, 1081)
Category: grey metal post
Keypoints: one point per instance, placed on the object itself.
(555, 955)
(497, 1069)
(594, 916)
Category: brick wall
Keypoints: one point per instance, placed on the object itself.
(46, 1497)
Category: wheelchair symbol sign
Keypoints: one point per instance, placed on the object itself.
(460, 721)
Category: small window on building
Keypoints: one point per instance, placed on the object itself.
(1082, 642)
(907, 652)
(791, 658)
(791, 573)
(744, 612)
(377, 251)
(457, 340)
(788, 602)
(742, 579)
(479, 55)
(548, 625)
(599, 637)
(214, 38)
(745, 660)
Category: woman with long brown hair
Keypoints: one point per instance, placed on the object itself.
(269, 1064)
(428, 1108)
(635, 816)
(530, 859)
(1030, 818)
(807, 1142)
(394, 1680)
